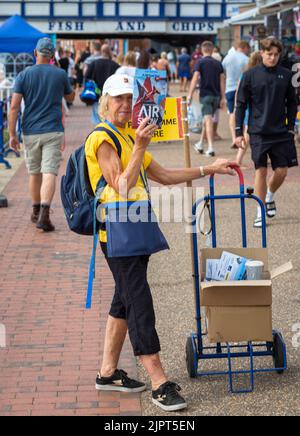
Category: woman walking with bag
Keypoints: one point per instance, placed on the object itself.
(125, 165)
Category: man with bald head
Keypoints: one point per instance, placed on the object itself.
(101, 69)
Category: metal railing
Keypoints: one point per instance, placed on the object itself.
(12, 65)
(5, 102)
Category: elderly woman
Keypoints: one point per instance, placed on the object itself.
(132, 305)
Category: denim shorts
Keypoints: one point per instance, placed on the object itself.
(133, 302)
(230, 99)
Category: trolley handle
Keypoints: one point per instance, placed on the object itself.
(239, 172)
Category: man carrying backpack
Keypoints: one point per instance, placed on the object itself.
(42, 87)
(98, 71)
(102, 68)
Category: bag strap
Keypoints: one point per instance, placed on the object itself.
(144, 180)
(102, 182)
(99, 189)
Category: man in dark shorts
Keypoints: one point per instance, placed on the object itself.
(268, 91)
(209, 74)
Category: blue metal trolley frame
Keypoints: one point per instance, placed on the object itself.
(195, 349)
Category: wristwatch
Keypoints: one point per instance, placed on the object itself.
(202, 171)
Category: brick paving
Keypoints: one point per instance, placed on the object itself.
(54, 345)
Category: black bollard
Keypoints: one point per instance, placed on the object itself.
(3, 201)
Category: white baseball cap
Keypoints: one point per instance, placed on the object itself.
(118, 84)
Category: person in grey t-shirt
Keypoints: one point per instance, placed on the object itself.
(42, 87)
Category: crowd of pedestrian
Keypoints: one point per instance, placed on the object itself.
(262, 104)
(219, 80)
(178, 64)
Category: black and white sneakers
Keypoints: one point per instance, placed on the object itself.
(120, 382)
(167, 397)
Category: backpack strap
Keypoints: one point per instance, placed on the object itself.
(99, 189)
(102, 182)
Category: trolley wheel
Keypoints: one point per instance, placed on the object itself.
(190, 358)
(278, 352)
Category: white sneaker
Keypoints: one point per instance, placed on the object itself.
(198, 147)
(210, 153)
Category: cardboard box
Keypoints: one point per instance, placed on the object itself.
(239, 311)
(239, 324)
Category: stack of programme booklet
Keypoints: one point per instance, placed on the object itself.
(229, 268)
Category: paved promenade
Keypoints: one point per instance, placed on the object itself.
(54, 345)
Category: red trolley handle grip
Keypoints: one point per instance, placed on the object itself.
(238, 170)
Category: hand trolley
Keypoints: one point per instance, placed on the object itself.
(195, 349)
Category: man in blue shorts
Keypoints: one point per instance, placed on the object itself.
(42, 87)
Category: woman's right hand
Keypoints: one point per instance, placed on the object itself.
(144, 134)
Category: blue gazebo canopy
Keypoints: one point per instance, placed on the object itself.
(17, 36)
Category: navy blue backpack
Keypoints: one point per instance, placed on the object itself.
(77, 196)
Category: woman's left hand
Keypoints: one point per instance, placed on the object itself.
(222, 166)
(144, 133)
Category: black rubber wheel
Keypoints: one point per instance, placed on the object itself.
(278, 352)
(190, 359)
(3, 201)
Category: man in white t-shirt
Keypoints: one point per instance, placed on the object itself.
(234, 65)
